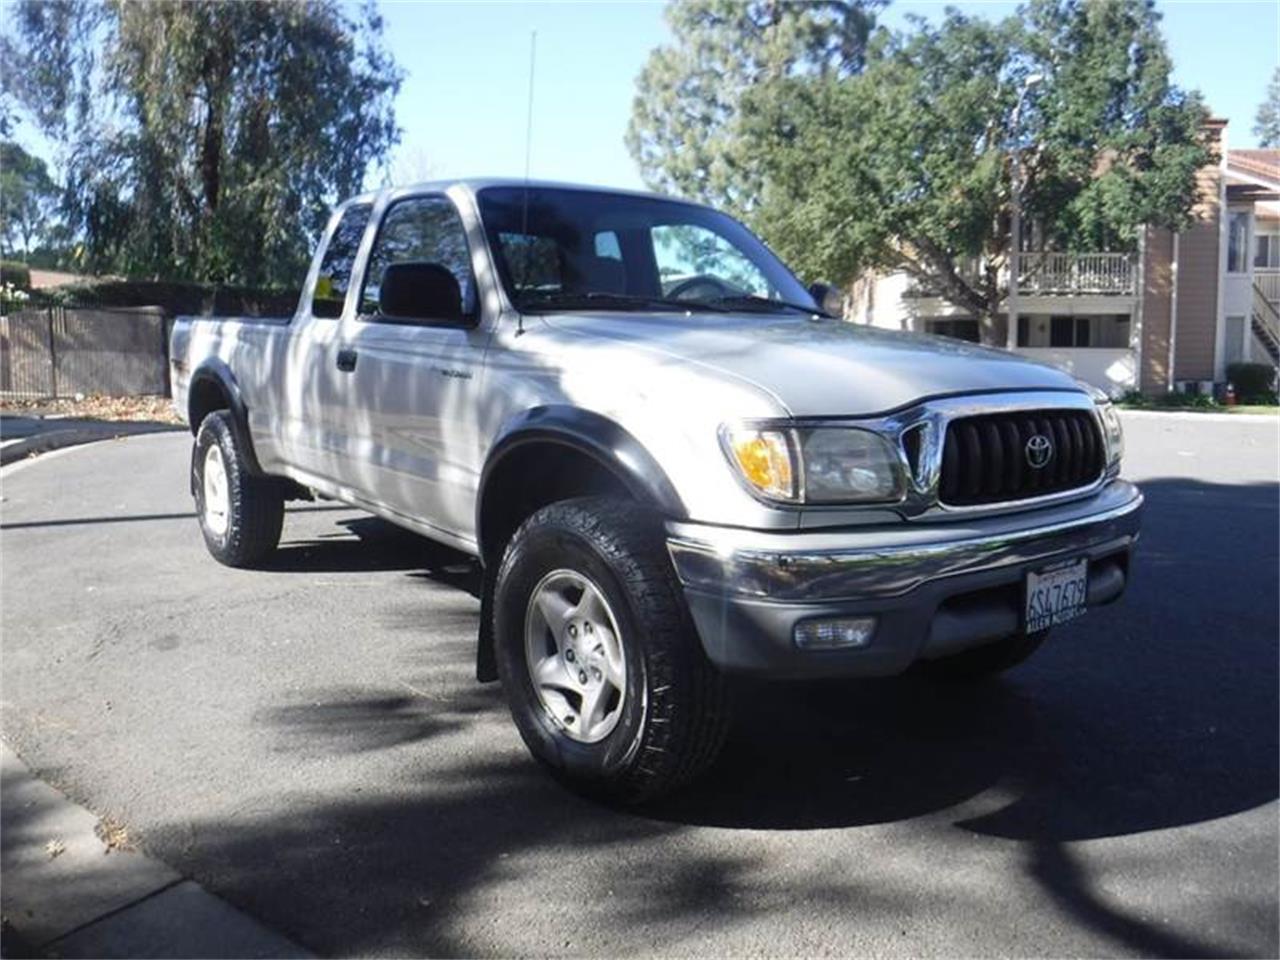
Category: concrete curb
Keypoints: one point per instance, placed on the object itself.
(58, 437)
(1266, 418)
(74, 888)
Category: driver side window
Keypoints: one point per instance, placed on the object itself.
(690, 256)
(420, 229)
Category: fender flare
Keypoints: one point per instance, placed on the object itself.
(215, 371)
(603, 440)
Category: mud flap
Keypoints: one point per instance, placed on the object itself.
(486, 659)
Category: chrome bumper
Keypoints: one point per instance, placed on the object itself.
(887, 562)
(934, 588)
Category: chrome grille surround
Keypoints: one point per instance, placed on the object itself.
(918, 434)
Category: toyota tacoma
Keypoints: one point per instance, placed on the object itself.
(672, 465)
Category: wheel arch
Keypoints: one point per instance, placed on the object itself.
(568, 432)
(554, 453)
(214, 387)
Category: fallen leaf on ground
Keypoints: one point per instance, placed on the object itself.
(96, 407)
(113, 833)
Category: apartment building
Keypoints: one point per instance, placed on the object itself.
(1170, 316)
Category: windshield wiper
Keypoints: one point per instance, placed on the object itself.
(588, 299)
(749, 301)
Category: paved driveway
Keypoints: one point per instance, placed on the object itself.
(308, 742)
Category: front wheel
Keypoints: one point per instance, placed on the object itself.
(602, 668)
(241, 515)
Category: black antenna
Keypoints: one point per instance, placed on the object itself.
(528, 152)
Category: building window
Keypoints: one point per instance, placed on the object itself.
(959, 329)
(1266, 248)
(1237, 241)
(1082, 332)
(1069, 332)
(1235, 334)
(1106, 331)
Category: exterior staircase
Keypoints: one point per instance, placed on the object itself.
(1265, 322)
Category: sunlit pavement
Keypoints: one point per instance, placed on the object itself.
(308, 742)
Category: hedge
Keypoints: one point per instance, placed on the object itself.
(1254, 382)
(181, 298)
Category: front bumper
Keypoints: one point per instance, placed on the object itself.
(934, 589)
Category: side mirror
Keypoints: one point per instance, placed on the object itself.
(417, 290)
(829, 298)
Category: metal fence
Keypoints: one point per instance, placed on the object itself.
(62, 351)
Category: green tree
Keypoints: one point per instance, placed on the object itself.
(1266, 125)
(685, 130)
(205, 140)
(907, 165)
(28, 197)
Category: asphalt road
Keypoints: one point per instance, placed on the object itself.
(308, 742)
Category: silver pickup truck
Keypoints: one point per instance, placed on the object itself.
(671, 463)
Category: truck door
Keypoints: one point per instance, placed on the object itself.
(308, 409)
(412, 383)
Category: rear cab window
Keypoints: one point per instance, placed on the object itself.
(338, 261)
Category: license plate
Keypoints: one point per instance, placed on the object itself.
(1056, 595)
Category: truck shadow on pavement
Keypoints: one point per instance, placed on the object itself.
(1160, 712)
(378, 545)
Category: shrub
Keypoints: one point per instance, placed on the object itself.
(1254, 382)
(181, 298)
(16, 274)
(1169, 401)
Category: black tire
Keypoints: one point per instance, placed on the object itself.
(986, 661)
(255, 513)
(675, 712)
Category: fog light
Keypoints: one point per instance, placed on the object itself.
(834, 634)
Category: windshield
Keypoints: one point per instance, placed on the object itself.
(595, 250)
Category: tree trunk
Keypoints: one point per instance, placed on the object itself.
(992, 328)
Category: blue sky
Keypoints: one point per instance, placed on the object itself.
(464, 101)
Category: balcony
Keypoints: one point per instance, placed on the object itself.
(1045, 274)
(1075, 274)
(1268, 283)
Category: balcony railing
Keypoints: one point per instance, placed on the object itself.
(1061, 274)
(1075, 273)
(1268, 282)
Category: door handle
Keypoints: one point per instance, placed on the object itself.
(346, 360)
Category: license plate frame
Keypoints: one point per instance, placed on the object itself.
(1055, 594)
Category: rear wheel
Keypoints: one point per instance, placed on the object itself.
(241, 515)
(605, 676)
(986, 661)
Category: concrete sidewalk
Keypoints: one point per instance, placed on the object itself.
(23, 436)
(74, 887)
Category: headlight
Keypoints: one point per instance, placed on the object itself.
(819, 465)
(1113, 432)
(843, 464)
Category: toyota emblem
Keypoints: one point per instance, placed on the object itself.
(1039, 451)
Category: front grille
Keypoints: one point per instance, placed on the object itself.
(988, 458)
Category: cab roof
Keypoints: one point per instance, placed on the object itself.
(474, 185)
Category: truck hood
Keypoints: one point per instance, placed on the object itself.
(821, 367)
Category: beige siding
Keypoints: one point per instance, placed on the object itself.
(1157, 308)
